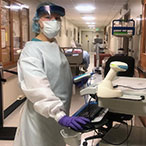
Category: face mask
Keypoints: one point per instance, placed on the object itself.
(51, 28)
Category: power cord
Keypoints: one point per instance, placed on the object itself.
(92, 140)
(89, 116)
(128, 135)
(98, 133)
(89, 105)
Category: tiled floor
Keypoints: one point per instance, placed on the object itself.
(77, 102)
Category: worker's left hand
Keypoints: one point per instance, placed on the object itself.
(73, 122)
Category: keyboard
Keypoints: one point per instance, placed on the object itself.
(93, 112)
(90, 111)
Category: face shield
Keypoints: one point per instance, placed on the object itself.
(50, 9)
(46, 8)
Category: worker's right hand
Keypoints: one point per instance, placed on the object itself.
(73, 122)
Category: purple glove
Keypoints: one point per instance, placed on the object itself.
(73, 122)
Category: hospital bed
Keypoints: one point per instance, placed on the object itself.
(74, 55)
(77, 58)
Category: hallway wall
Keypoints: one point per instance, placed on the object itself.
(68, 33)
(136, 11)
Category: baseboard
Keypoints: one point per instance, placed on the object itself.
(12, 107)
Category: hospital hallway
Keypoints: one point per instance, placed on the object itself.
(100, 45)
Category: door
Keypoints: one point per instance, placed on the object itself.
(87, 39)
(142, 67)
(5, 32)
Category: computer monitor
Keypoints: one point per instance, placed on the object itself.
(98, 40)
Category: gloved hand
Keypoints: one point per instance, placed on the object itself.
(73, 122)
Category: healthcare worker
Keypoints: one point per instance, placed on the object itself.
(46, 80)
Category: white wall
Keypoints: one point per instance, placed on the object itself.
(136, 10)
(135, 7)
(67, 33)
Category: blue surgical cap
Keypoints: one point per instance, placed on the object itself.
(43, 9)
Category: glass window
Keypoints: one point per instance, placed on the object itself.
(16, 30)
(5, 32)
(25, 26)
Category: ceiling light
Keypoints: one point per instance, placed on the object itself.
(90, 22)
(16, 7)
(93, 26)
(25, 6)
(85, 8)
(88, 18)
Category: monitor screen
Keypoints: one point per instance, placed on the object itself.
(98, 40)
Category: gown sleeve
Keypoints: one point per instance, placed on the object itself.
(36, 87)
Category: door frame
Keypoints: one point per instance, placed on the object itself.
(142, 65)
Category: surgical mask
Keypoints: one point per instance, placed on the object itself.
(51, 28)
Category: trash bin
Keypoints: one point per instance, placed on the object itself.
(72, 138)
